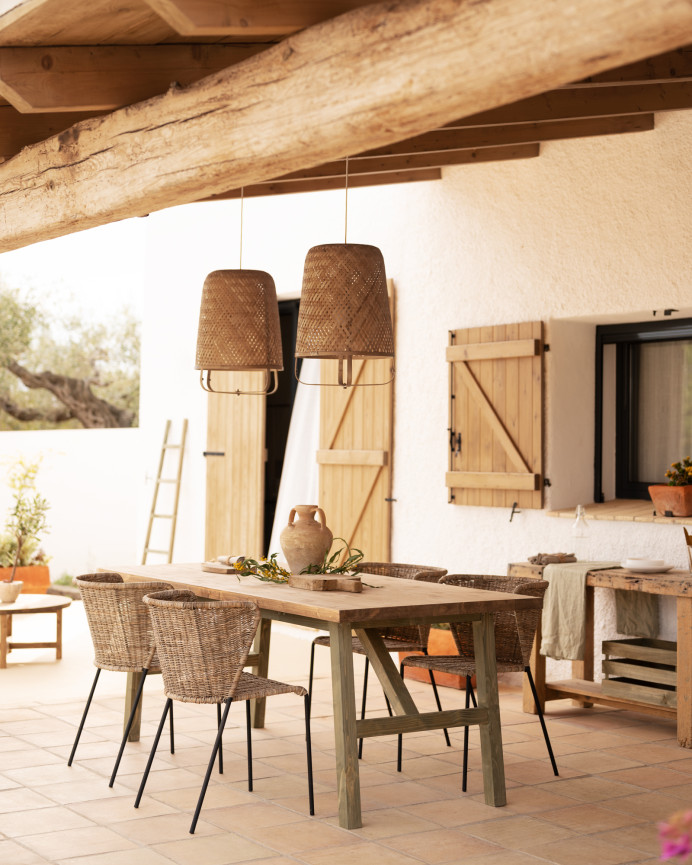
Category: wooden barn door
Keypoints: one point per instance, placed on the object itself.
(355, 457)
(235, 468)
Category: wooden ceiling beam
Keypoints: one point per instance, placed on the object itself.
(231, 18)
(669, 66)
(379, 164)
(21, 130)
(104, 77)
(355, 83)
(584, 102)
(517, 133)
(317, 184)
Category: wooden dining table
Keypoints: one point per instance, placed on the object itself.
(384, 602)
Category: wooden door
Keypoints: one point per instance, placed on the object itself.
(235, 468)
(496, 415)
(355, 456)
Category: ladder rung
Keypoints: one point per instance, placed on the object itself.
(162, 516)
(165, 480)
(149, 550)
(172, 447)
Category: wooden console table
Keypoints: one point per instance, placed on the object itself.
(581, 687)
(24, 605)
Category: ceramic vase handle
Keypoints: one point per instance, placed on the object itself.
(291, 516)
(322, 519)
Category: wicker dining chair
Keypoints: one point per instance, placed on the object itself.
(514, 634)
(123, 639)
(203, 646)
(405, 638)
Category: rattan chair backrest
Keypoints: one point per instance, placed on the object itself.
(119, 622)
(426, 573)
(202, 644)
(514, 629)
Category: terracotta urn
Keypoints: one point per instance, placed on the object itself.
(9, 592)
(671, 501)
(305, 541)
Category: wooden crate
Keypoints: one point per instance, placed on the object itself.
(641, 669)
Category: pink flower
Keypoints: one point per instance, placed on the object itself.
(676, 836)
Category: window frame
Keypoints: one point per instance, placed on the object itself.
(625, 337)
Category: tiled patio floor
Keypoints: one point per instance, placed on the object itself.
(620, 774)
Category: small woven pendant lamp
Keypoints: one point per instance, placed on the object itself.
(239, 327)
(344, 307)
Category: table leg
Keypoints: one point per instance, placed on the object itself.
(58, 636)
(4, 627)
(344, 696)
(261, 646)
(133, 682)
(584, 669)
(387, 672)
(684, 671)
(488, 698)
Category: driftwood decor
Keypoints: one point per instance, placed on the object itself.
(369, 78)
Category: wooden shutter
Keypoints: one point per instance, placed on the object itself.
(235, 468)
(496, 415)
(355, 457)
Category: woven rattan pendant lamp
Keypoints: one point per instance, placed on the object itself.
(344, 307)
(239, 326)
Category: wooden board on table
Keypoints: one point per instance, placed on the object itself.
(326, 582)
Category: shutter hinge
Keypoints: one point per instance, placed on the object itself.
(546, 482)
(546, 346)
(454, 442)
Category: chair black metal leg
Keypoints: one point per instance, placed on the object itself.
(84, 714)
(399, 738)
(248, 726)
(437, 699)
(218, 724)
(312, 670)
(362, 705)
(157, 737)
(541, 719)
(212, 760)
(464, 771)
(308, 746)
(128, 726)
(170, 722)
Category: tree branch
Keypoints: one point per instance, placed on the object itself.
(25, 415)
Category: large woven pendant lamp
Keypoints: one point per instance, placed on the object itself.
(239, 327)
(344, 306)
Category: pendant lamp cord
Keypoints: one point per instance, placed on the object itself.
(346, 203)
(240, 254)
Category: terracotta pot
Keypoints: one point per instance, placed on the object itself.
(9, 592)
(36, 578)
(305, 541)
(672, 501)
(440, 642)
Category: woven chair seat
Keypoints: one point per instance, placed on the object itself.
(454, 664)
(248, 687)
(391, 644)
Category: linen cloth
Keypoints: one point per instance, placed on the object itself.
(564, 608)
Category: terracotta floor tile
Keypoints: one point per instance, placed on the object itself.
(251, 817)
(361, 853)
(75, 842)
(441, 845)
(505, 857)
(595, 762)
(651, 777)
(16, 854)
(643, 836)
(110, 811)
(40, 820)
(588, 850)
(519, 833)
(648, 806)
(590, 788)
(22, 799)
(587, 819)
(297, 838)
(223, 849)
(390, 822)
(527, 800)
(165, 827)
(143, 856)
(652, 753)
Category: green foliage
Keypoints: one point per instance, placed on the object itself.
(105, 356)
(330, 564)
(26, 521)
(680, 474)
(268, 570)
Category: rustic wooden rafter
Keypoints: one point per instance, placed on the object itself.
(397, 69)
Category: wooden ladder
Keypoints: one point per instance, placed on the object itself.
(173, 517)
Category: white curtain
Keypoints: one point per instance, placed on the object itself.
(299, 477)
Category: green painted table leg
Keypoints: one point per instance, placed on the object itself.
(133, 682)
(491, 732)
(347, 777)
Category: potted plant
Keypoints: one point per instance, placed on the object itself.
(674, 499)
(23, 565)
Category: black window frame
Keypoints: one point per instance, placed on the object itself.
(625, 337)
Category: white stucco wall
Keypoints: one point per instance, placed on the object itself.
(594, 230)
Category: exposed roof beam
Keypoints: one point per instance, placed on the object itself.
(517, 133)
(251, 18)
(20, 130)
(671, 65)
(358, 82)
(316, 184)
(104, 77)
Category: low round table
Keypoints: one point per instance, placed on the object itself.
(26, 604)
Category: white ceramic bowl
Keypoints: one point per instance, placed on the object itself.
(639, 562)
